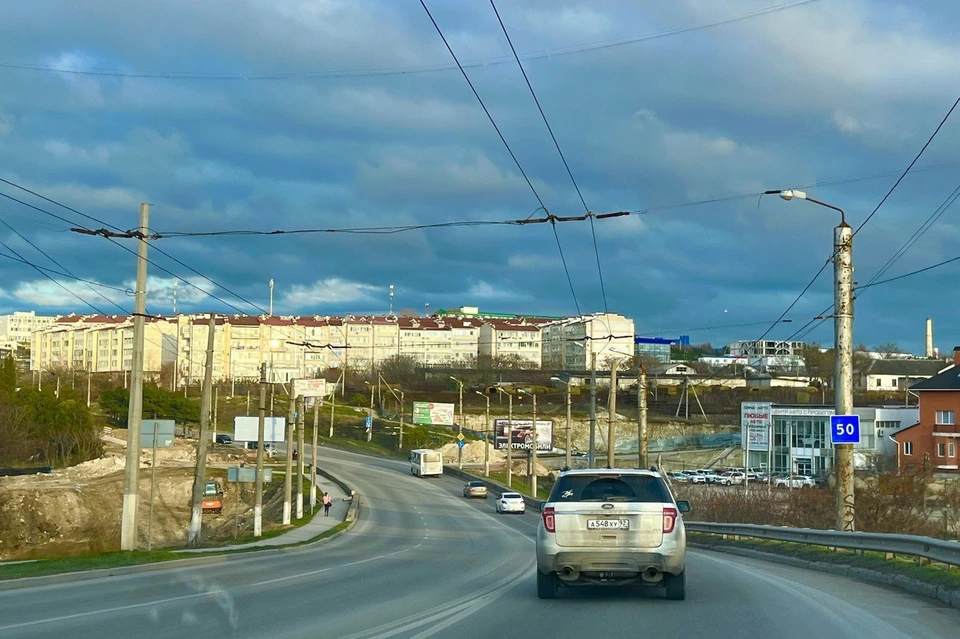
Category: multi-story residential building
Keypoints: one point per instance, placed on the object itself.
(17, 329)
(101, 344)
(574, 343)
(508, 338)
(932, 442)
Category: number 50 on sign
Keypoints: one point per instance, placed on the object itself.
(845, 429)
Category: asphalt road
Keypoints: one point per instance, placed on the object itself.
(424, 562)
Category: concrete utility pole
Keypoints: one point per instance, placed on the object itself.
(642, 417)
(533, 454)
(460, 429)
(288, 478)
(843, 346)
(216, 408)
(593, 410)
(89, 374)
(612, 417)
(486, 436)
(370, 430)
(402, 411)
(509, 435)
(843, 330)
(131, 489)
(301, 407)
(313, 466)
(569, 459)
(200, 478)
(262, 413)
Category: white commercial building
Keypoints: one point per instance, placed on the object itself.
(17, 329)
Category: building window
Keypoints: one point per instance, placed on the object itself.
(945, 417)
(951, 450)
(879, 383)
(941, 450)
(907, 448)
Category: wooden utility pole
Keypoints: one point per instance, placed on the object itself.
(131, 489)
(200, 478)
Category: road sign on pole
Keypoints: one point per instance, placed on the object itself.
(845, 429)
(369, 423)
(461, 444)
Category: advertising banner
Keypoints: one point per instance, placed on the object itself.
(755, 422)
(432, 413)
(310, 388)
(245, 429)
(523, 434)
(164, 428)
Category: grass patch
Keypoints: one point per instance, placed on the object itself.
(81, 563)
(900, 565)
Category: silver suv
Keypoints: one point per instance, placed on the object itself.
(610, 527)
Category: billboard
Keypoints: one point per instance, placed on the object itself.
(247, 474)
(432, 413)
(756, 419)
(310, 388)
(523, 434)
(245, 429)
(162, 427)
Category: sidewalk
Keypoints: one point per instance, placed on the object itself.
(315, 527)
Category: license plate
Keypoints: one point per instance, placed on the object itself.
(608, 524)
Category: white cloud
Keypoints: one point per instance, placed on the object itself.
(86, 89)
(483, 290)
(332, 290)
(64, 150)
(532, 261)
(6, 122)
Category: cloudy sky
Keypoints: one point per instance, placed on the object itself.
(298, 114)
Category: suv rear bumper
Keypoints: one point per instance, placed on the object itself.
(670, 557)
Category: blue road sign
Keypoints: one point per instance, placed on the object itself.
(845, 429)
(461, 444)
(369, 423)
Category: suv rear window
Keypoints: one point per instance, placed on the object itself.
(611, 487)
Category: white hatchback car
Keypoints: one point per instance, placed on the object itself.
(511, 503)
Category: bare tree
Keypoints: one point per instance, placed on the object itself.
(888, 350)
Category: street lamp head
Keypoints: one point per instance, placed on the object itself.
(789, 194)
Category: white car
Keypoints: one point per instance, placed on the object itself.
(510, 503)
(796, 481)
(697, 477)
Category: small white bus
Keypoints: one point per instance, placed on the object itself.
(426, 463)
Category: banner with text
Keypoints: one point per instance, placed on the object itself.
(310, 388)
(432, 413)
(756, 419)
(522, 435)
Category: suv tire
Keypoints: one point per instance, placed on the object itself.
(676, 586)
(546, 585)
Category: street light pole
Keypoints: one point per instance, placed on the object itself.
(843, 345)
(568, 461)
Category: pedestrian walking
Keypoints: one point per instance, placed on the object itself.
(327, 502)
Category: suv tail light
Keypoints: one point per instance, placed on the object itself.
(549, 519)
(669, 519)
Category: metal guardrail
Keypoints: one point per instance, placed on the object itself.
(939, 550)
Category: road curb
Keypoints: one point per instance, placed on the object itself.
(351, 518)
(948, 596)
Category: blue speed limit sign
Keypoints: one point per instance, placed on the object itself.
(845, 429)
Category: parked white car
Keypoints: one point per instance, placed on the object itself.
(795, 481)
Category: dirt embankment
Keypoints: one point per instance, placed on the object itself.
(78, 509)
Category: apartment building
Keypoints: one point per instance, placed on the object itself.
(17, 328)
(101, 344)
(574, 343)
(511, 338)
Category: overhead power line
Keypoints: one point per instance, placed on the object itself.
(432, 68)
(551, 218)
(563, 158)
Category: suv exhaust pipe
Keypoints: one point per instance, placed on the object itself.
(652, 576)
(569, 573)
